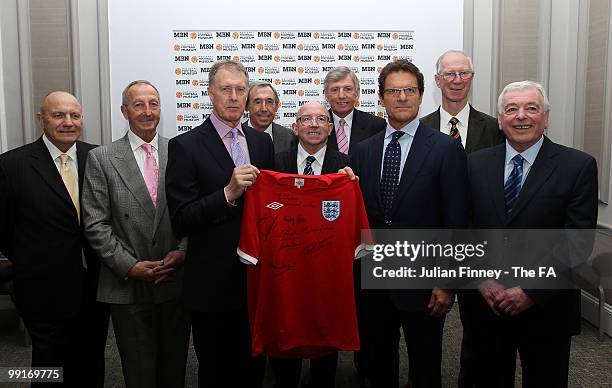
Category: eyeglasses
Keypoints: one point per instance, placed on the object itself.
(409, 91)
(227, 90)
(336, 90)
(450, 75)
(315, 120)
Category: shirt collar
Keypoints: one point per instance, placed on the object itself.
(409, 128)
(56, 152)
(463, 116)
(302, 154)
(136, 142)
(268, 130)
(529, 154)
(348, 120)
(222, 128)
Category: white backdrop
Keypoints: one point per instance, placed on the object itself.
(141, 36)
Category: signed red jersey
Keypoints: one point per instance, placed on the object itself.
(302, 233)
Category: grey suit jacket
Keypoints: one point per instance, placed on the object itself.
(282, 138)
(483, 130)
(123, 226)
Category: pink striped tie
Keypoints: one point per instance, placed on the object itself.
(341, 137)
(151, 172)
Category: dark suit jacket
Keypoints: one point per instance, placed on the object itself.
(332, 162)
(199, 167)
(560, 192)
(432, 191)
(40, 233)
(363, 126)
(483, 130)
(283, 138)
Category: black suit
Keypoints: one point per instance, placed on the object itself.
(322, 369)
(363, 126)
(432, 194)
(199, 167)
(483, 130)
(40, 233)
(560, 192)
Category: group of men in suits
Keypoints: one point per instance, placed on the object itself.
(163, 217)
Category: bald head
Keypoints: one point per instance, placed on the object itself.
(312, 126)
(61, 119)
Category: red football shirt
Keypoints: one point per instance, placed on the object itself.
(302, 233)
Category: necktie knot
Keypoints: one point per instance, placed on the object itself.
(396, 135)
(64, 158)
(517, 161)
(148, 148)
(453, 121)
(308, 166)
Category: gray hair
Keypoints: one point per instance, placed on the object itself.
(231, 65)
(338, 73)
(124, 94)
(262, 84)
(523, 85)
(441, 58)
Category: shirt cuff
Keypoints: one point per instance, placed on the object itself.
(230, 203)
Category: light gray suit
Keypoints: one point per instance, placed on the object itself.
(123, 226)
(282, 138)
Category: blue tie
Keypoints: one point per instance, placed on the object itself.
(237, 152)
(390, 175)
(512, 188)
(308, 167)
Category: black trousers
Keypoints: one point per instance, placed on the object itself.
(288, 371)
(222, 342)
(423, 334)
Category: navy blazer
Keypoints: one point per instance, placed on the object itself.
(432, 193)
(560, 192)
(199, 167)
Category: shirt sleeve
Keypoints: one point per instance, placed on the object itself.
(249, 245)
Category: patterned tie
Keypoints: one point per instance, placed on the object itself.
(237, 152)
(308, 167)
(341, 137)
(150, 172)
(512, 188)
(454, 132)
(72, 185)
(390, 175)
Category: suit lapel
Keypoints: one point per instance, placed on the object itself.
(357, 130)
(254, 156)
(375, 155)
(495, 181)
(539, 173)
(162, 156)
(46, 168)
(214, 145)
(329, 162)
(124, 162)
(434, 120)
(421, 145)
(332, 141)
(81, 160)
(476, 126)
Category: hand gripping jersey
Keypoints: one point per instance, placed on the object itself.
(302, 233)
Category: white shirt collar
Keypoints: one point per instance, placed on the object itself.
(348, 120)
(302, 155)
(409, 128)
(56, 152)
(463, 116)
(268, 130)
(530, 154)
(136, 142)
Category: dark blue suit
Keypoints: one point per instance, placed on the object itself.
(432, 194)
(560, 192)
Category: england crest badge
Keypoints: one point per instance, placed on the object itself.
(330, 210)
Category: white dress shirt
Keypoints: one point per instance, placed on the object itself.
(317, 165)
(55, 156)
(463, 116)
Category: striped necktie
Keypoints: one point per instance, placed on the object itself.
(454, 131)
(512, 188)
(341, 137)
(308, 167)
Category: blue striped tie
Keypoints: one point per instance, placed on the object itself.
(308, 167)
(512, 188)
